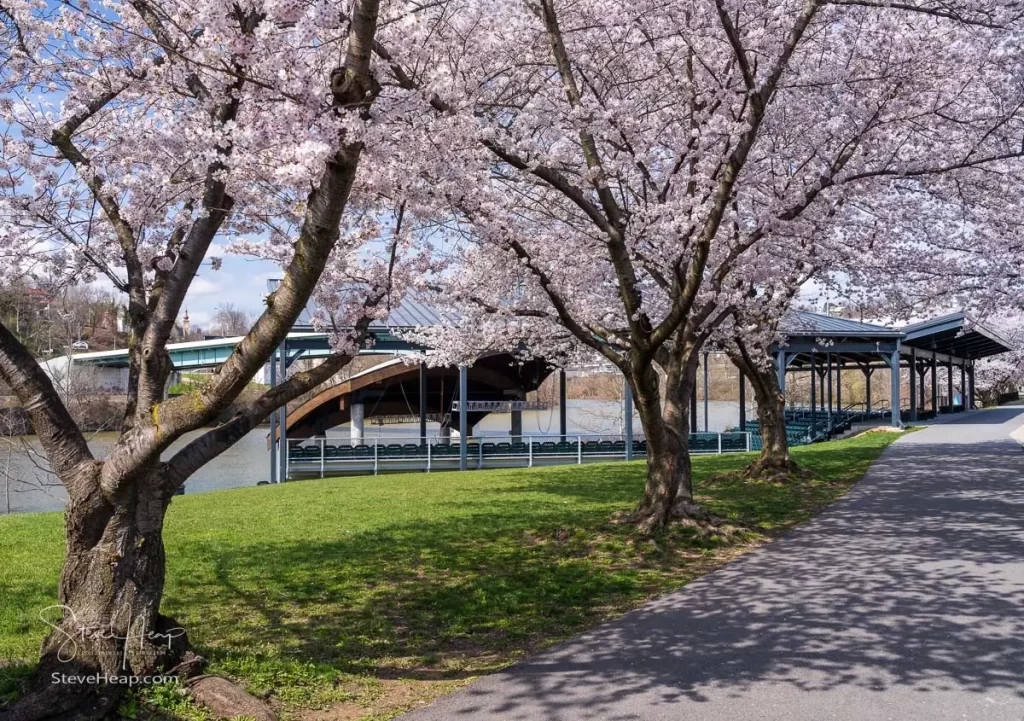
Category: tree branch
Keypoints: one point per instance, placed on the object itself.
(214, 442)
(59, 434)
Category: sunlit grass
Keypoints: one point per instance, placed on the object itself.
(319, 591)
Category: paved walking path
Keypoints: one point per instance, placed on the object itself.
(905, 600)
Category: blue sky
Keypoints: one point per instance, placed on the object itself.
(241, 281)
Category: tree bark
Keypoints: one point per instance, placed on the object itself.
(108, 620)
(668, 491)
(771, 416)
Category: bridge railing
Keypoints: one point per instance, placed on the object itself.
(322, 456)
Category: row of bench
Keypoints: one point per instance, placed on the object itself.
(439, 450)
(699, 443)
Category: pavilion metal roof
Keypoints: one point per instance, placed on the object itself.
(410, 313)
(956, 334)
(806, 324)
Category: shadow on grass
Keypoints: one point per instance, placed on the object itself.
(535, 562)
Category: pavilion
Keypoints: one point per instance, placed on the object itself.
(826, 346)
(822, 346)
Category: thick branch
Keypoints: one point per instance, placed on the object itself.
(352, 86)
(214, 442)
(64, 443)
(941, 12)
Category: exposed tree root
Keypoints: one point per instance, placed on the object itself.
(684, 513)
(775, 471)
(50, 701)
(227, 699)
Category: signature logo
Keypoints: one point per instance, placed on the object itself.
(65, 624)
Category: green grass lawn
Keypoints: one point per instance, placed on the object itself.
(379, 592)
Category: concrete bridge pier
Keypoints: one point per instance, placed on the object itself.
(358, 422)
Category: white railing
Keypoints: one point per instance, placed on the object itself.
(320, 455)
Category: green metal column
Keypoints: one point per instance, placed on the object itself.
(949, 385)
(627, 412)
(913, 386)
(562, 405)
(828, 372)
(935, 385)
(922, 371)
(868, 372)
(743, 401)
(423, 402)
(273, 423)
(894, 371)
(463, 419)
(706, 392)
(839, 383)
(814, 401)
(693, 405)
(963, 385)
(282, 431)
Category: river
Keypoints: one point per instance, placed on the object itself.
(28, 489)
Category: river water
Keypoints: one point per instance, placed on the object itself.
(26, 488)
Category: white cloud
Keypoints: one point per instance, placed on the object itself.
(201, 286)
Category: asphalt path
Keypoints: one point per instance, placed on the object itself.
(905, 600)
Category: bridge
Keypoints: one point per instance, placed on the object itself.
(383, 337)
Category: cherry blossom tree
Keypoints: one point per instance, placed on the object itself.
(627, 167)
(1003, 373)
(134, 134)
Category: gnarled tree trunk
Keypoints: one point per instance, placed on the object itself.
(668, 492)
(108, 622)
(771, 415)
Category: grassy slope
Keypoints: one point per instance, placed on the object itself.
(425, 578)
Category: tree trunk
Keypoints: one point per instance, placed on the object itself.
(108, 620)
(668, 492)
(771, 416)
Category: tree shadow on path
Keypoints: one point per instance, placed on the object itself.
(913, 585)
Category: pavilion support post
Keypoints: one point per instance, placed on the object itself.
(935, 385)
(781, 361)
(868, 372)
(743, 401)
(814, 400)
(839, 383)
(963, 386)
(463, 417)
(273, 424)
(894, 398)
(282, 456)
(707, 428)
(562, 405)
(423, 402)
(828, 371)
(970, 386)
(516, 426)
(949, 386)
(922, 371)
(627, 416)
(693, 407)
(913, 387)
(821, 387)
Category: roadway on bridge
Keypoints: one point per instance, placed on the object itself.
(902, 601)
